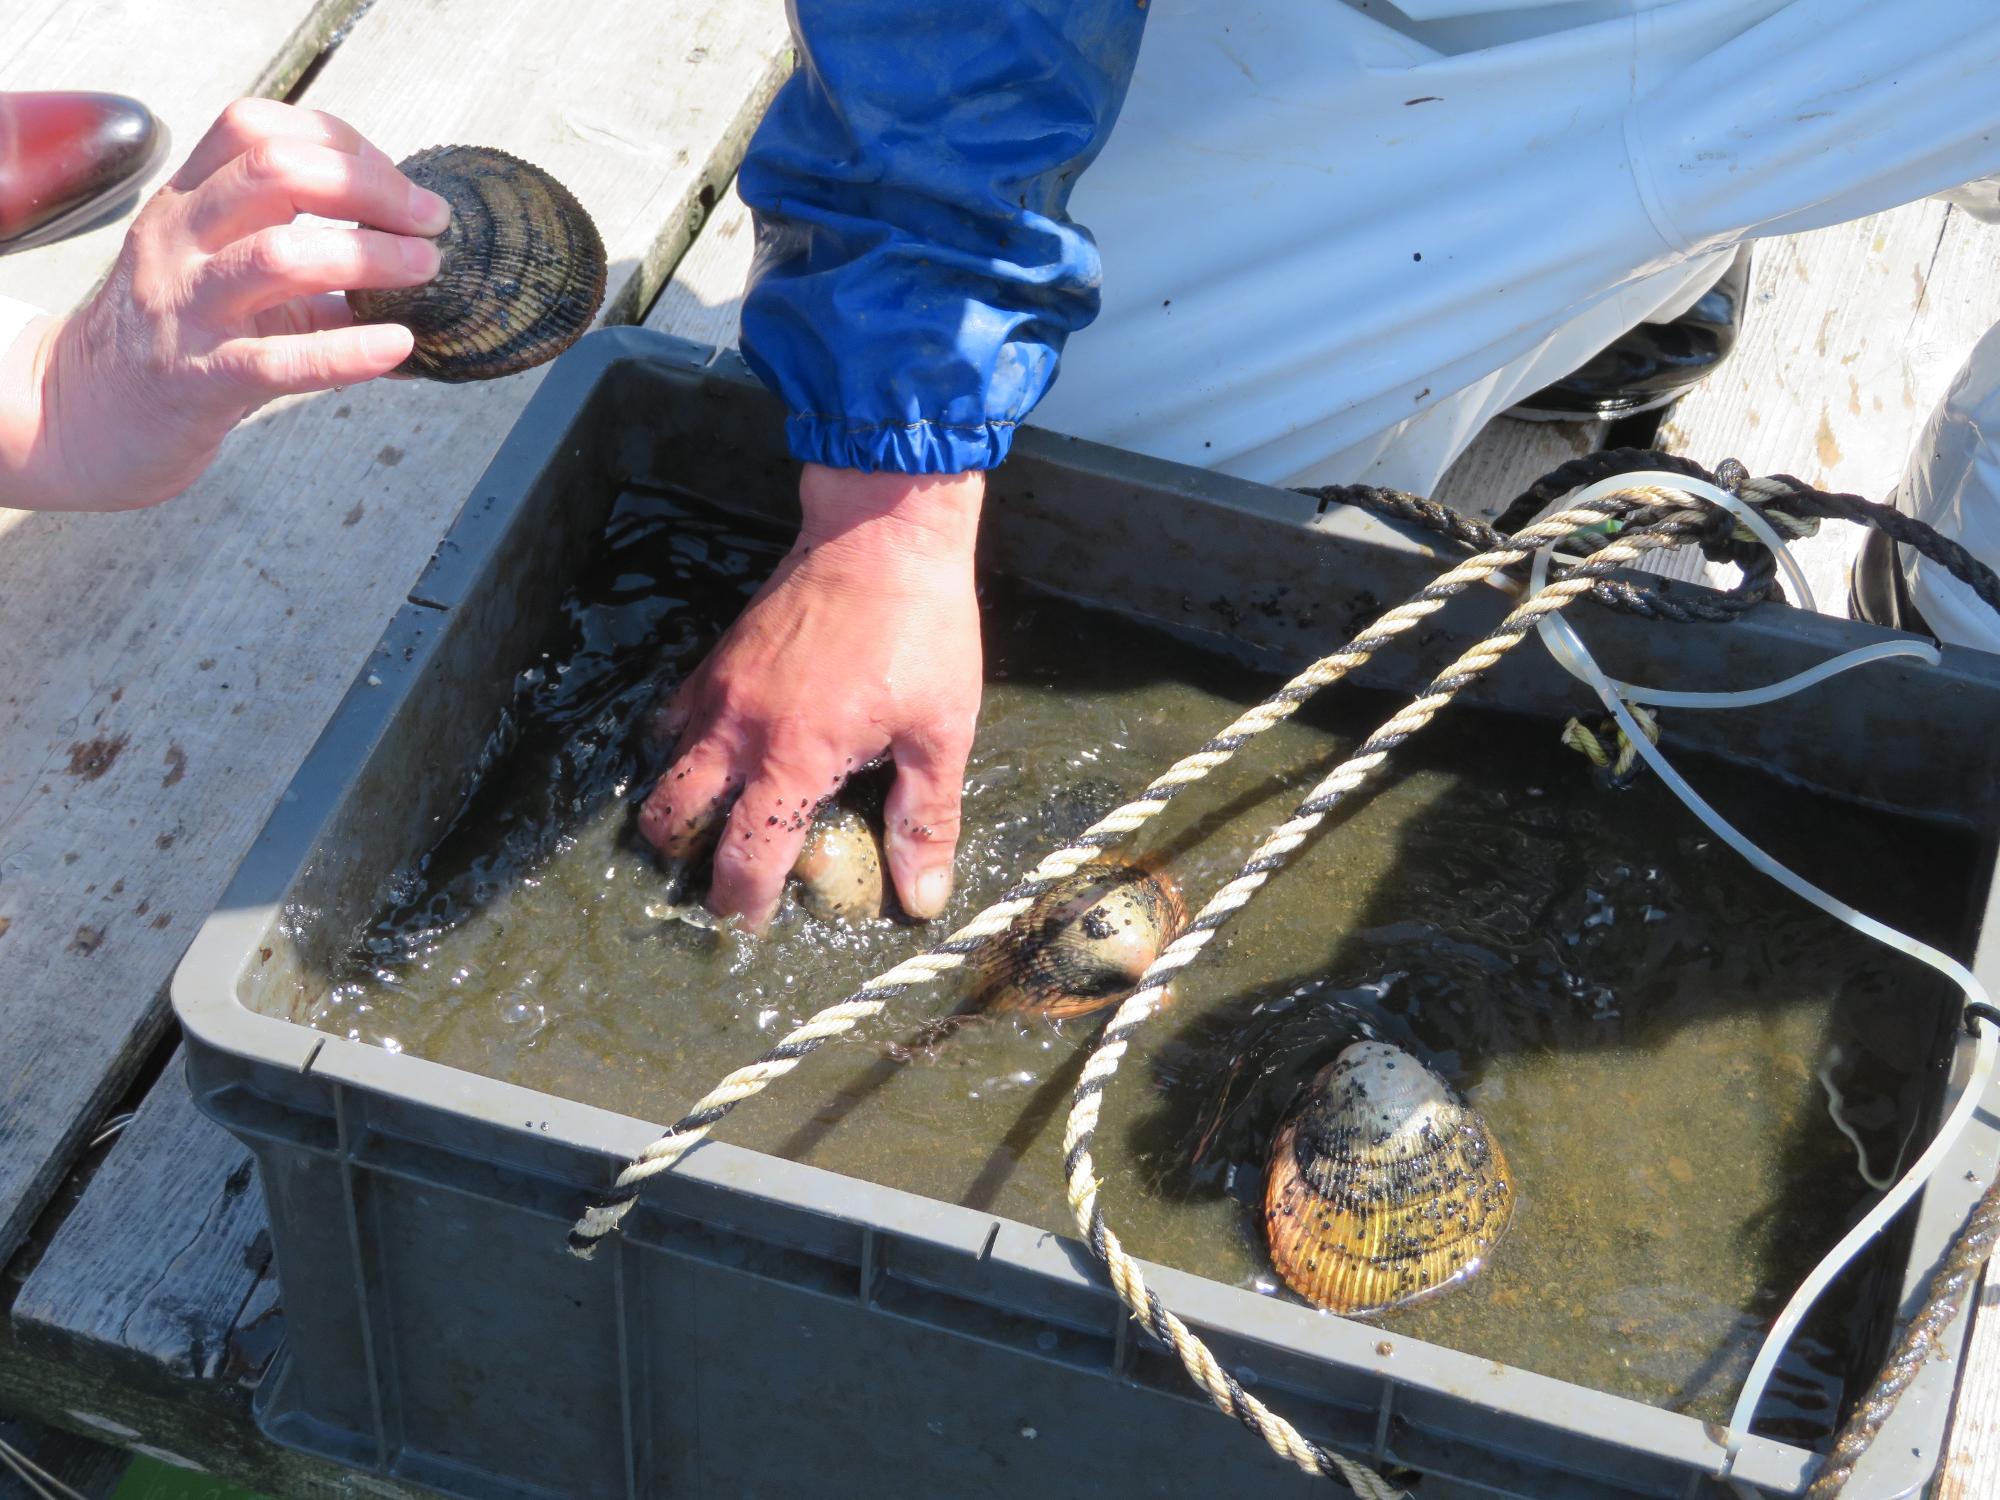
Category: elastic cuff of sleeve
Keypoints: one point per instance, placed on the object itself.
(897, 448)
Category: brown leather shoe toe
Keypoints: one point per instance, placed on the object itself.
(70, 161)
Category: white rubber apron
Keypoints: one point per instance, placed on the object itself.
(1338, 235)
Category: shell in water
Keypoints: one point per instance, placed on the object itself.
(1083, 944)
(1383, 1186)
(521, 274)
(839, 871)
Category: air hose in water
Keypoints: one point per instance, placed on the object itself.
(1618, 698)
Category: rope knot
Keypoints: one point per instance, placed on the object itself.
(1607, 748)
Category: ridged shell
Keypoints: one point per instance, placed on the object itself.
(839, 871)
(521, 275)
(1383, 1186)
(1084, 943)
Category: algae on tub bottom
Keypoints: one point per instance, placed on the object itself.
(1654, 1032)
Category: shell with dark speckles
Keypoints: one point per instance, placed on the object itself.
(1383, 1186)
(839, 872)
(522, 269)
(1084, 943)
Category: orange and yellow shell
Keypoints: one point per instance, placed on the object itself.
(1383, 1186)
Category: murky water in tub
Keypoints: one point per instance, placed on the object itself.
(1661, 1040)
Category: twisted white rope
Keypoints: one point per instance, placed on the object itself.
(954, 953)
(1270, 857)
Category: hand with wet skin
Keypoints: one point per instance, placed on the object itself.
(218, 302)
(865, 641)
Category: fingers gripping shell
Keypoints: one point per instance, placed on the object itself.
(521, 275)
(1383, 1186)
(839, 872)
(1084, 943)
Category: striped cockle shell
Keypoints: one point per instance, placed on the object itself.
(1383, 1185)
(1083, 944)
(521, 273)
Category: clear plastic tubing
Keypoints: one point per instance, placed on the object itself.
(1568, 649)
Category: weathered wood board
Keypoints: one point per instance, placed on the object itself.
(204, 1427)
(183, 59)
(1851, 337)
(1509, 455)
(163, 1255)
(703, 300)
(184, 659)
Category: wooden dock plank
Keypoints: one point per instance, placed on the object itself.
(159, 1260)
(1972, 1447)
(184, 59)
(1508, 456)
(703, 301)
(1851, 337)
(205, 1428)
(185, 658)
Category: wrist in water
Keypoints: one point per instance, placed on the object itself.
(922, 514)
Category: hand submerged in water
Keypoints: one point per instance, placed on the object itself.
(865, 641)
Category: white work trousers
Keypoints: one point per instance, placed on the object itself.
(1953, 482)
(1339, 235)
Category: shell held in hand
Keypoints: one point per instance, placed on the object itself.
(839, 872)
(1084, 943)
(1383, 1186)
(521, 276)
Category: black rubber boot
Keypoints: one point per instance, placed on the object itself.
(1650, 365)
(1877, 591)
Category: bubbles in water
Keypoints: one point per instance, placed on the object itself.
(766, 1016)
(523, 1016)
(992, 779)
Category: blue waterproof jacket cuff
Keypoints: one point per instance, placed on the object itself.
(897, 448)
